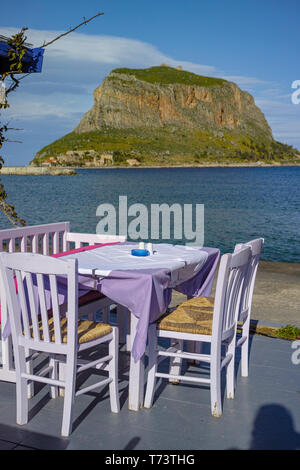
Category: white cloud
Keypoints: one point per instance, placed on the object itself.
(36, 109)
(246, 81)
(98, 49)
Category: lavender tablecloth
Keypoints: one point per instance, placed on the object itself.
(145, 292)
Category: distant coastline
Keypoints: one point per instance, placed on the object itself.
(36, 171)
(204, 165)
(72, 170)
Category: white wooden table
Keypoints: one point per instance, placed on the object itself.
(111, 258)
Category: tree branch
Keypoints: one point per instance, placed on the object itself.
(14, 86)
(70, 30)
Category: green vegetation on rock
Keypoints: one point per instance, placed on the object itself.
(191, 148)
(165, 75)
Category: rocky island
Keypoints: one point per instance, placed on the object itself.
(164, 116)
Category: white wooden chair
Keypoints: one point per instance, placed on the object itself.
(245, 312)
(59, 337)
(48, 239)
(194, 320)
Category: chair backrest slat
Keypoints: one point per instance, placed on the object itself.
(43, 307)
(14, 306)
(55, 308)
(35, 244)
(24, 243)
(55, 242)
(12, 245)
(33, 306)
(46, 243)
(235, 294)
(23, 304)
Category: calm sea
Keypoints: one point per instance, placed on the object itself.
(240, 203)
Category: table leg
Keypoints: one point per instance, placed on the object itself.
(120, 321)
(136, 374)
(127, 320)
(193, 347)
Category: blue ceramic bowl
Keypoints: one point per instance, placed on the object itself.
(139, 252)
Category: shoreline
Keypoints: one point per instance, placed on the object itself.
(216, 165)
(203, 165)
(66, 170)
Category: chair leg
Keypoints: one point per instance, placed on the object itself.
(230, 379)
(215, 386)
(113, 372)
(194, 347)
(70, 381)
(21, 388)
(176, 362)
(152, 366)
(22, 401)
(245, 350)
(54, 375)
(29, 369)
(62, 376)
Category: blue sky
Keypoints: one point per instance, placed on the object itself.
(254, 43)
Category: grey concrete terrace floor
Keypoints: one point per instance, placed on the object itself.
(265, 413)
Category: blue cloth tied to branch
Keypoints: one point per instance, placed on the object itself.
(31, 63)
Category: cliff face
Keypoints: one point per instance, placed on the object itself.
(125, 101)
(165, 116)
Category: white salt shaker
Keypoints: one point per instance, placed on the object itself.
(149, 247)
(141, 245)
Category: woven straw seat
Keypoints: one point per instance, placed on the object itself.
(192, 316)
(87, 330)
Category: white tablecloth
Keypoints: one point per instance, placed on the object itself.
(182, 261)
